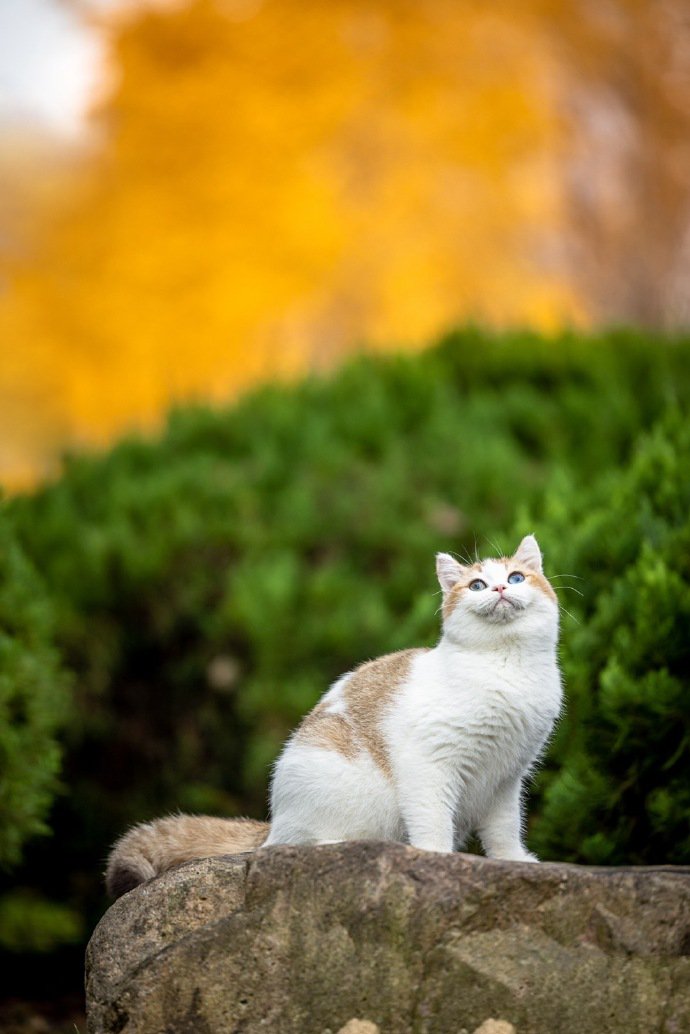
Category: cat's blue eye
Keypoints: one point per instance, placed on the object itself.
(516, 577)
(477, 585)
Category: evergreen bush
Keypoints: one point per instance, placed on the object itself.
(34, 707)
(33, 699)
(208, 584)
(620, 792)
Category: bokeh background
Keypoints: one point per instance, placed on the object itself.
(199, 195)
(293, 295)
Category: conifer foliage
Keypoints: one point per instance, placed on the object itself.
(207, 585)
(32, 699)
(621, 792)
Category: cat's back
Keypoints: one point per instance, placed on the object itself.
(348, 717)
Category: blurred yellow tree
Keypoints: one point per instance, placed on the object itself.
(624, 97)
(278, 182)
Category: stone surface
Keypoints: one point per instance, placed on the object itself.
(354, 937)
(359, 1027)
(495, 1027)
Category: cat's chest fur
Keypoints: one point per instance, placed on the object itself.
(488, 714)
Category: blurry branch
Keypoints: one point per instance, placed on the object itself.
(626, 110)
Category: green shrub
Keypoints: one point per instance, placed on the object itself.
(32, 700)
(30, 923)
(209, 583)
(620, 793)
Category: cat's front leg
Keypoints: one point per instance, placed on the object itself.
(500, 830)
(427, 805)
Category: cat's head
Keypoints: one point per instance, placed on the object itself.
(490, 596)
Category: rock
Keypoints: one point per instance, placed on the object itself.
(495, 1027)
(359, 1027)
(353, 937)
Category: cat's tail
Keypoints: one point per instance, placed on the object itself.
(154, 847)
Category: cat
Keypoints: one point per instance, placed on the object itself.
(423, 746)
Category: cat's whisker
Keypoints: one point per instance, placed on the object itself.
(571, 588)
(494, 545)
(464, 558)
(565, 611)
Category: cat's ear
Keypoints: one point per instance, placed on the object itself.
(449, 571)
(529, 554)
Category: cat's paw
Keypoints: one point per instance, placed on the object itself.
(515, 856)
(438, 846)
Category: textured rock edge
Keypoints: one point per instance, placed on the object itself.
(450, 939)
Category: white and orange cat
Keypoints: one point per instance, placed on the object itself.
(423, 746)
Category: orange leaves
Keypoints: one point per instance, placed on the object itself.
(281, 182)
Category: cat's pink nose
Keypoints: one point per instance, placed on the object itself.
(500, 588)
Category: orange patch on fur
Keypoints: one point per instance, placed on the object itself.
(457, 591)
(541, 583)
(330, 731)
(366, 693)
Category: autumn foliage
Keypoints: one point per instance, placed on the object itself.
(205, 585)
(273, 184)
